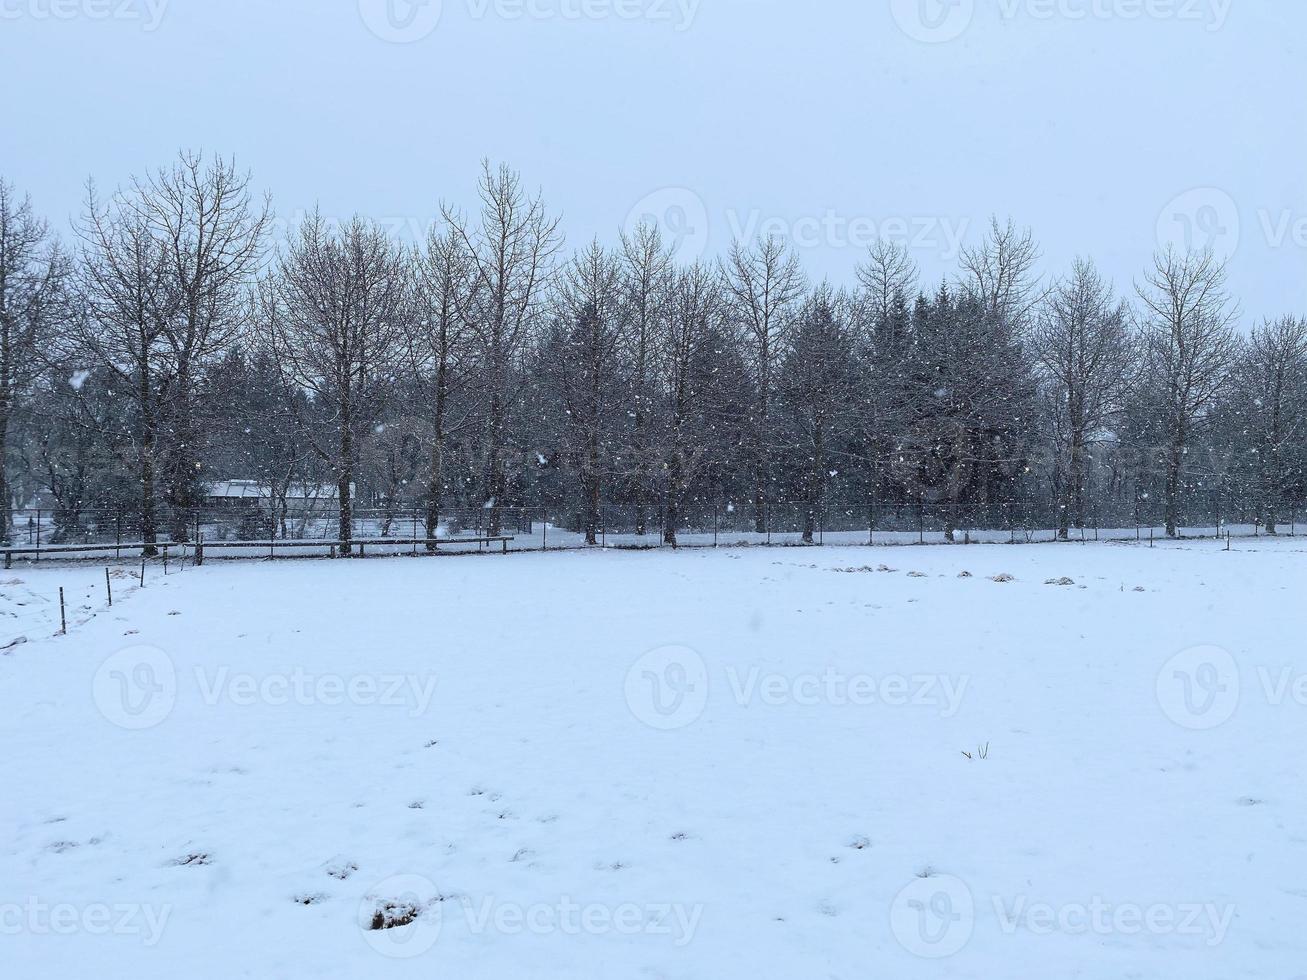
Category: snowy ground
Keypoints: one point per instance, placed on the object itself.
(707, 764)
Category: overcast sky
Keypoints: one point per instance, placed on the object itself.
(1104, 125)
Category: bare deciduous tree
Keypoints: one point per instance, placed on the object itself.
(130, 301)
(1189, 344)
(33, 280)
(332, 317)
(646, 277)
(510, 249)
(817, 386)
(1271, 381)
(212, 235)
(687, 353)
(1084, 353)
(763, 282)
(584, 365)
(1001, 273)
(438, 350)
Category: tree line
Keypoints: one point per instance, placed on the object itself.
(163, 344)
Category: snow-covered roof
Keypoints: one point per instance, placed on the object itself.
(259, 490)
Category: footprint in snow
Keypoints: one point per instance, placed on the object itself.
(341, 870)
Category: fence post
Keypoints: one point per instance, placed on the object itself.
(921, 523)
(716, 523)
(38, 535)
(63, 617)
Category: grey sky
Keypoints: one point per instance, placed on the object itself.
(1102, 124)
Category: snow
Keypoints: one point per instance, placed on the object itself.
(722, 763)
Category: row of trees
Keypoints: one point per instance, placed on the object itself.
(165, 345)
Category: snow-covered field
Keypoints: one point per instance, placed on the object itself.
(790, 763)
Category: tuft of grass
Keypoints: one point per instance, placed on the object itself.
(982, 752)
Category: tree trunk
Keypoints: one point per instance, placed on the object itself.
(435, 491)
(6, 504)
(671, 513)
(346, 478)
(591, 487)
(149, 528)
(496, 481)
(1174, 464)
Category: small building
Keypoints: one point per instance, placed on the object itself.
(249, 494)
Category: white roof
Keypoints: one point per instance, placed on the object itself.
(259, 490)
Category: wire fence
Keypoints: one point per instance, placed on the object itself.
(699, 524)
